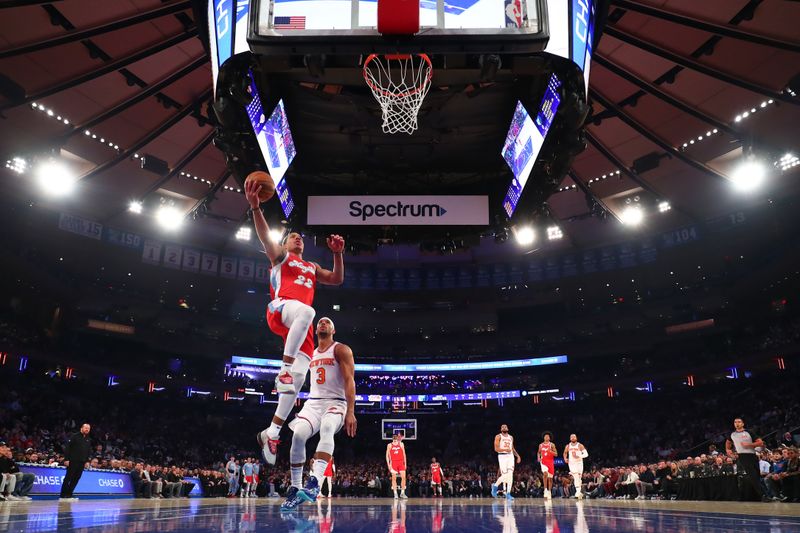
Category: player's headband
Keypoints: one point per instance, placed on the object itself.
(333, 326)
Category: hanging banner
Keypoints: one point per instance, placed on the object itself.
(191, 260)
(151, 253)
(210, 264)
(172, 256)
(398, 210)
(262, 272)
(81, 226)
(228, 267)
(246, 269)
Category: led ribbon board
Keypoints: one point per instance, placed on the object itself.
(437, 367)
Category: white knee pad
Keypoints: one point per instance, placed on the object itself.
(328, 428)
(302, 432)
(300, 369)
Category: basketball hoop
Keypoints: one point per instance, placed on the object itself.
(399, 83)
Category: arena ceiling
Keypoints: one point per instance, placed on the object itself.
(679, 89)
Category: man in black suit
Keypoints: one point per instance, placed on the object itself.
(75, 457)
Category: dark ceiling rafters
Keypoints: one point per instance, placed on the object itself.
(23, 3)
(209, 196)
(180, 165)
(102, 70)
(697, 66)
(590, 194)
(723, 30)
(138, 97)
(652, 137)
(147, 139)
(74, 36)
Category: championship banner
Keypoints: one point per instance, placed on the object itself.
(398, 210)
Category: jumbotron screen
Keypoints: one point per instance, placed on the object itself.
(275, 141)
(525, 139)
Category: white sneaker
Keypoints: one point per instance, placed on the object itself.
(579, 495)
(395, 496)
(284, 382)
(269, 447)
(403, 496)
(547, 495)
(13, 498)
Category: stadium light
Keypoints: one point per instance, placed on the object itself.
(525, 235)
(632, 216)
(55, 178)
(169, 217)
(135, 207)
(243, 234)
(664, 206)
(554, 233)
(749, 175)
(275, 235)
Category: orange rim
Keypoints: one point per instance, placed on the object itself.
(390, 57)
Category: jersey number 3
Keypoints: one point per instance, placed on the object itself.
(304, 281)
(320, 376)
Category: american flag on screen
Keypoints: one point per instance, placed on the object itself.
(289, 23)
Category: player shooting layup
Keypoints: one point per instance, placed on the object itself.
(291, 286)
(396, 461)
(330, 405)
(574, 454)
(506, 453)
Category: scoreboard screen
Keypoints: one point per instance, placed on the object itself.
(404, 426)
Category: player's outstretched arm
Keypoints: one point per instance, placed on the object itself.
(335, 276)
(344, 356)
(273, 250)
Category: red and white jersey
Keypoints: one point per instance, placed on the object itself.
(327, 382)
(436, 470)
(546, 452)
(506, 443)
(330, 469)
(396, 453)
(293, 279)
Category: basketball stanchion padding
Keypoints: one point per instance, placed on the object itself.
(398, 17)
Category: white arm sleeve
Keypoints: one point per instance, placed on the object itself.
(584, 454)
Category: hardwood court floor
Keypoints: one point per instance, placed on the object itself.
(388, 516)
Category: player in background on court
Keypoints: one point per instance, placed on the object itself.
(330, 406)
(256, 472)
(290, 314)
(247, 478)
(506, 453)
(328, 477)
(574, 454)
(396, 461)
(546, 455)
(436, 477)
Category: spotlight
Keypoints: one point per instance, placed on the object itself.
(525, 235)
(135, 207)
(664, 206)
(275, 235)
(749, 175)
(554, 233)
(169, 217)
(632, 216)
(243, 234)
(55, 178)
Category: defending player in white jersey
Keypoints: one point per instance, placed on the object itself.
(330, 405)
(574, 454)
(506, 453)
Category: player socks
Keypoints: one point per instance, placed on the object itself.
(297, 476)
(318, 469)
(274, 430)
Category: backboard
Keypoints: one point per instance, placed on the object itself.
(332, 26)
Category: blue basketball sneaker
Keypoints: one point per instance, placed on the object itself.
(310, 492)
(509, 497)
(494, 490)
(293, 500)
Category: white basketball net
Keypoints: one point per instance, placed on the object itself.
(399, 84)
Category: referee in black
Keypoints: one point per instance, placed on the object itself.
(75, 458)
(745, 450)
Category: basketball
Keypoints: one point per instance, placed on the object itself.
(266, 182)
